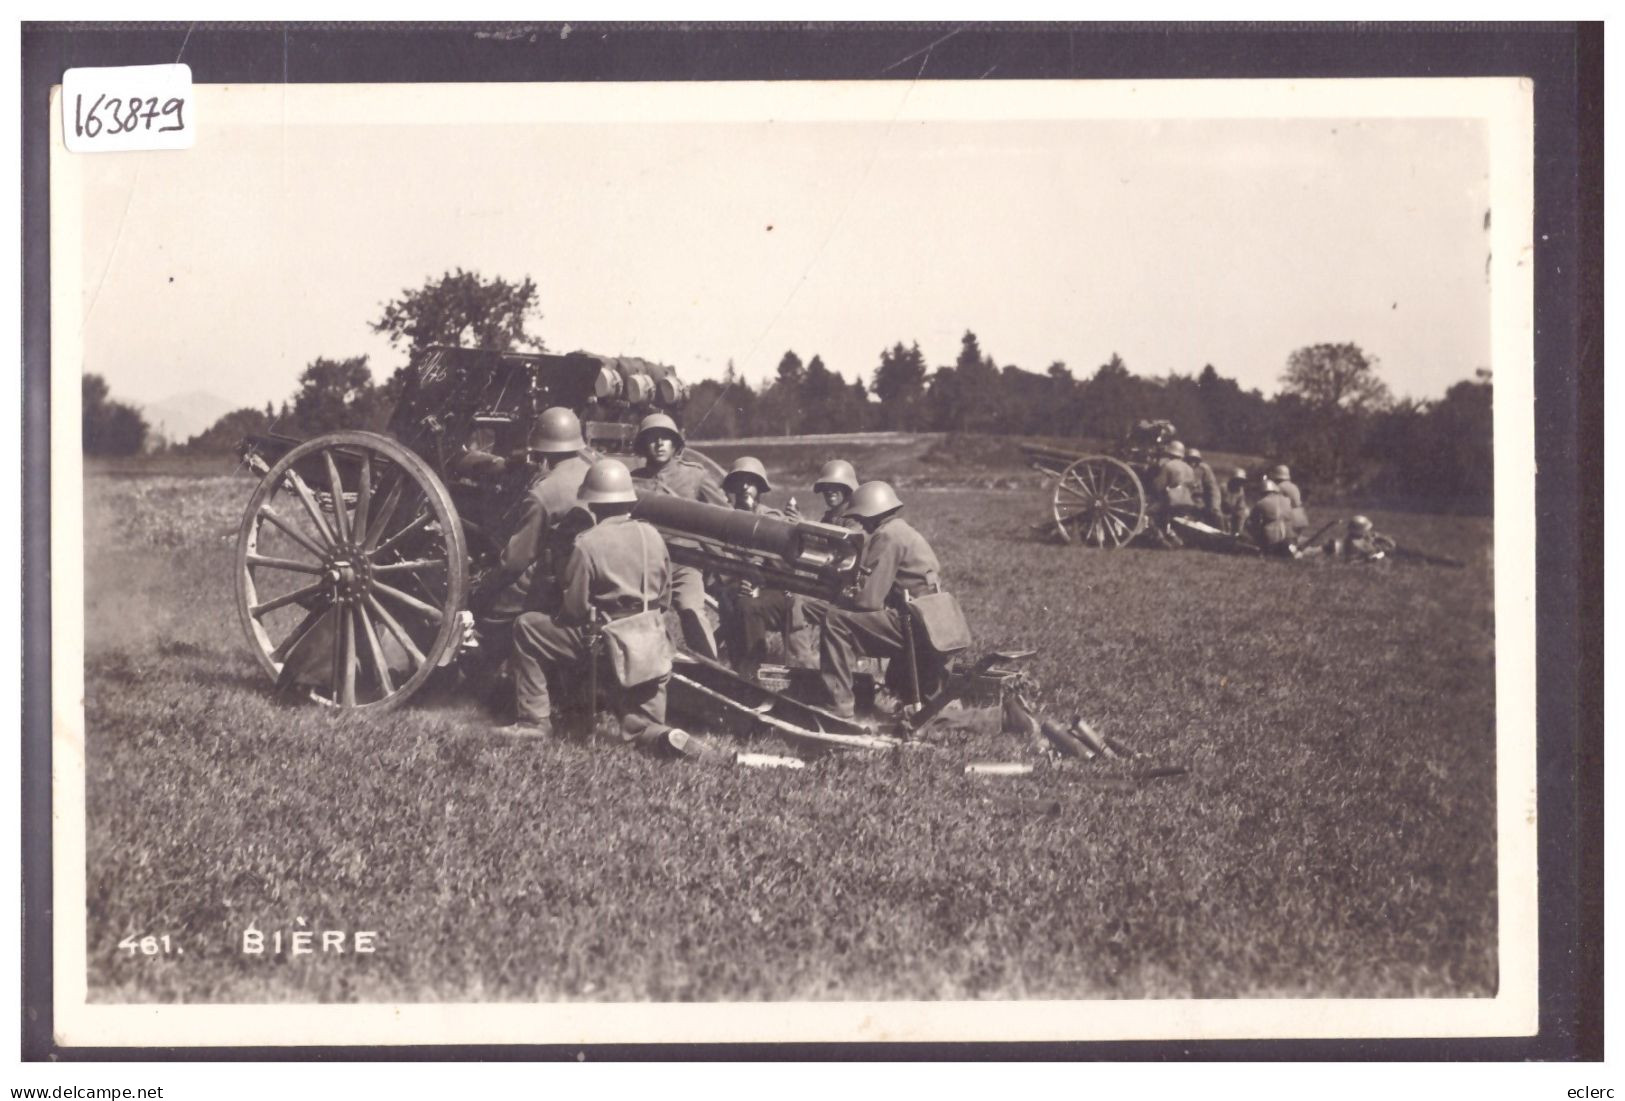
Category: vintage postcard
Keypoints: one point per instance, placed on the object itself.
(746, 562)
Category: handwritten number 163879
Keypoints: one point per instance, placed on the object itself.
(125, 115)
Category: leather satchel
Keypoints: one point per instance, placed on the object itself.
(941, 623)
(639, 648)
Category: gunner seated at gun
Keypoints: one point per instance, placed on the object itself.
(750, 611)
(898, 564)
(660, 442)
(836, 483)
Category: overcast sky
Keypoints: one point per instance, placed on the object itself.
(1174, 243)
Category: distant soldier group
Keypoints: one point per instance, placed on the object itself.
(1184, 487)
(578, 577)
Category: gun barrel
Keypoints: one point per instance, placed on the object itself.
(804, 545)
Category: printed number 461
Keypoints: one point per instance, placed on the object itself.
(147, 946)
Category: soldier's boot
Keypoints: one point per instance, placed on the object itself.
(691, 748)
(527, 730)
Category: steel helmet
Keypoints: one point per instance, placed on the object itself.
(873, 499)
(1240, 474)
(556, 430)
(1281, 474)
(747, 467)
(608, 482)
(837, 472)
(1360, 523)
(1193, 454)
(1176, 449)
(657, 422)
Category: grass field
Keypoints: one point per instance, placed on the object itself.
(1335, 835)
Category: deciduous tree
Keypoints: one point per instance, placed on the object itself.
(109, 427)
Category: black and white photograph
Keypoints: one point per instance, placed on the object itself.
(1027, 560)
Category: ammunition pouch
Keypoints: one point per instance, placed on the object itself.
(940, 623)
(638, 648)
(637, 644)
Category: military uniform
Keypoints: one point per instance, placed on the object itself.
(1174, 483)
(689, 480)
(1370, 547)
(1270, 524)
(749, 618)
(806, 614)
(526, 573)
(619, 567)
(1208, 497)
(1300, 518)
(1235, 506)
(896, 561)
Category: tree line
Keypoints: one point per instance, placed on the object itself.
(1334, 419)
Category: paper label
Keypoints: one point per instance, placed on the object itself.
(123, 108)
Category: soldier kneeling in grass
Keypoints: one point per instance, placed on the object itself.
(1270, 523)
(617, 585)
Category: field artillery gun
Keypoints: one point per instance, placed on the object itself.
(1099, 499)
(359, 551)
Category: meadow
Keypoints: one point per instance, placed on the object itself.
(1334, 835)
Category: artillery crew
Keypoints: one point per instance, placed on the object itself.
(618, 568)
(749, 612)
(525, 576)
(836, 483)
(1269, 523)
(1209, 500)
(1282, 477)
(1361, 542)
(898, 564)
(1173, 489)
(1234, 504)
(660, 442)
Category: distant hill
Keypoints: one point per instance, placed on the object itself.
(183, 416)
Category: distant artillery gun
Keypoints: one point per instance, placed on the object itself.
(1100, 500)
(1095, 500)
(359, 551)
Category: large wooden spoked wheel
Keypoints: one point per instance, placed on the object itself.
(351, 570)
(1098, 501)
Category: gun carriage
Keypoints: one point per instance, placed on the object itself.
(1099, 500)
(360, 552)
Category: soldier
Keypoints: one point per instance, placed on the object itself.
(1361, 542)
(619, 567)
(1235, 502)
(1171, 490)
(524, 577)
(661, 444)
(1269, 523)
(749, 611)
(1208, 497)
(897, 563)
(1283, 481)
(836, 483)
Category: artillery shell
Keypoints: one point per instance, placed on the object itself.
(1086, 734)
(767, 760)
(1064, 743)
(998, 768)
